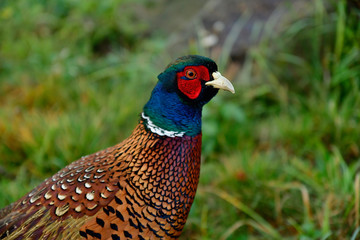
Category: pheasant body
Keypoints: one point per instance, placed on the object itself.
(141, 188)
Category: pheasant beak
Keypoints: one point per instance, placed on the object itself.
(221, 82)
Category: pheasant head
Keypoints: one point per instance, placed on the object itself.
(183, 89)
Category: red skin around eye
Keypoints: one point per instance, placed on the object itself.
(192, 88)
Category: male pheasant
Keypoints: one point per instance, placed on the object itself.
(141, 188)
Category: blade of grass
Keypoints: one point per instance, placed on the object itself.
(357, 199)
(260, 222)
(340, 29)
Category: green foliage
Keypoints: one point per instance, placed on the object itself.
(61, 94)
(280, 157)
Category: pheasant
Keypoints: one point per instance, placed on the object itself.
(141, 188)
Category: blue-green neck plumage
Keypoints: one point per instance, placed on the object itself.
(168, 111)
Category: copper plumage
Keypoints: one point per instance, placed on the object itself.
(158, 179)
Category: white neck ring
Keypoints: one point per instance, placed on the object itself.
(158, 130)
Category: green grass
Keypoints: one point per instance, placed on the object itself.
(280, 157)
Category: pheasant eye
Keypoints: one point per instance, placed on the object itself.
(190, 74)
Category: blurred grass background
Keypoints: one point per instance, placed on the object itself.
(280, 157)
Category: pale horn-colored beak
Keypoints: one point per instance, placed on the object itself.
(221, 82)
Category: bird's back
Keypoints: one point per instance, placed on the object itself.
(142, 188)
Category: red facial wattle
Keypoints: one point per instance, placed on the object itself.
(189, 80)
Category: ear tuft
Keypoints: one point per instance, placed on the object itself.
(168, 79)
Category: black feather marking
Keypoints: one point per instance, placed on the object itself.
(167, 232)
(127, 192)
(119, 215)
(132, 223)
(100, 222)
(93, 234)
(154, 231)
(135, 212)
(128, 201)
(159, 223)
(160, 213)
(118, 200)
(111, 209)
(150, 212)
(140, 225)
(130, 213)
(127, 234)
(114, 226)
(120, 187)
(146, 217)
(115, 237)
(106, 211)
(83, 234)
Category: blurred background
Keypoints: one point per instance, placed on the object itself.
(280, 157)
